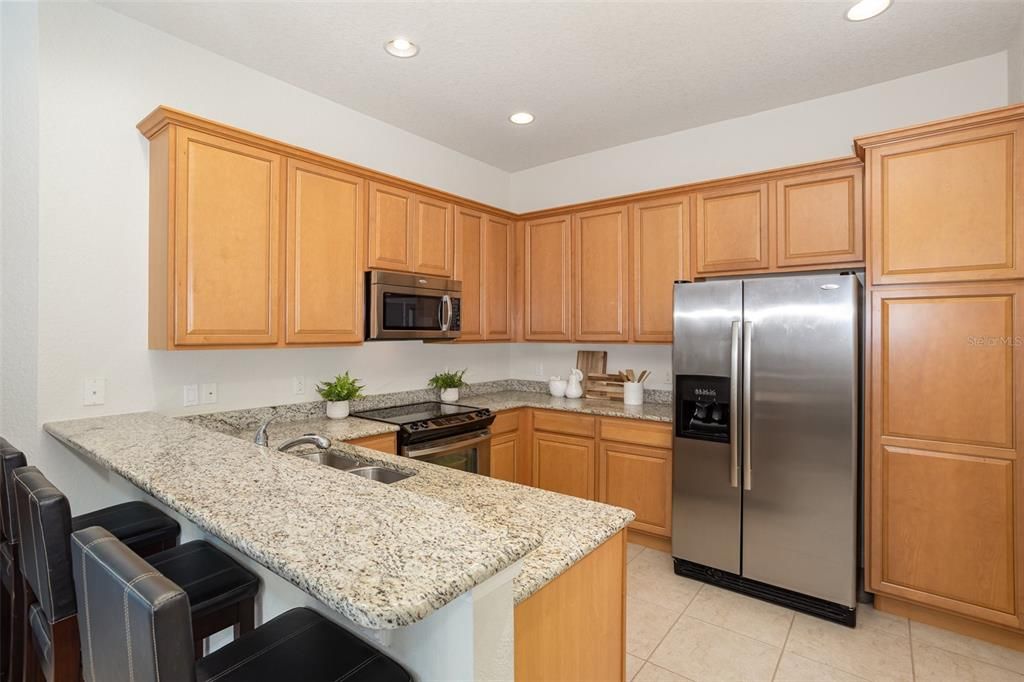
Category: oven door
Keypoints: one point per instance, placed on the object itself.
(412, 312)
(465, 452)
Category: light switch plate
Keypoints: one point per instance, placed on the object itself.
(191, 395)
(208, 394)
(94, 391)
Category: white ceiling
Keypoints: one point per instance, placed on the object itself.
(594, 74)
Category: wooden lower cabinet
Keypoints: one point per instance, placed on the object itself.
(504, 453)
(945, 487)
(564, 464)
(385, 442)
(638, 478)
(573, 628)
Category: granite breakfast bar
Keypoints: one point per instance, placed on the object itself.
(436, 568)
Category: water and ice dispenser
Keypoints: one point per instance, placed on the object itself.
(702, 404)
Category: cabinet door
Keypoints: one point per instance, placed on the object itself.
(732, 226)
(227, 241)
(433, 237)
(389, 235)
(548, 280)
(820, 219)
(601, 275)
(946, 207)
(660, 241)
(564, 464)
(638, 478)
(499, 269)
(469, 232)
(946, 416)
(324, 263)
(504, 453)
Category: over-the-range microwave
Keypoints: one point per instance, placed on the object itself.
(403, 306)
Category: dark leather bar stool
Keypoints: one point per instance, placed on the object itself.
(221, 590)
(135, 621)
(142, 526)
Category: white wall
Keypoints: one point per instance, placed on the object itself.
(75, 276)
(1015, 66)
(809, 131)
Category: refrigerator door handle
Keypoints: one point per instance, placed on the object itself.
(748, 467)
(734, 396)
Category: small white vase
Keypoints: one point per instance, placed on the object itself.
(337, 409)
(450, 395)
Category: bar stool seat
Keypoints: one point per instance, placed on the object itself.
(300, 644)
(141, 526)
(136, 622)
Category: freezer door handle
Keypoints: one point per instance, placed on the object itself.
(748, 466)
(734, 396)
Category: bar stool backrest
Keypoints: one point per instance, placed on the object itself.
(11, 458)
(44, 523)
(134, 623)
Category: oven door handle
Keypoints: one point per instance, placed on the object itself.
(447, 447)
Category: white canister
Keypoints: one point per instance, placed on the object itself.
(450, 395)
(633, 393)
(557, 386)
(337, 409)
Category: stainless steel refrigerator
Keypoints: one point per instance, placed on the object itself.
(766, 448)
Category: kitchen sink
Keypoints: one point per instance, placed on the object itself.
(379, 474)
(351, 465)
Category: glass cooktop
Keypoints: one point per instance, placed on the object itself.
(417, 412)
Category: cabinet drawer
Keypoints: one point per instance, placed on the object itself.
(385, 442)
(632, 431)
(556, 422)
(505, 422)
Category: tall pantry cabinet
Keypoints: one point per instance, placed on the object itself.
(945, 373)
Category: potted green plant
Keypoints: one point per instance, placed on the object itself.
(449, 384)
(337, 393)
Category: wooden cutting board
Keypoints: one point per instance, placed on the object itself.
(591, 362)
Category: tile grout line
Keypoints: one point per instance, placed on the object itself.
(681, 614)
(782, 650)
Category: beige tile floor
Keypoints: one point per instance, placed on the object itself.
(678, 629)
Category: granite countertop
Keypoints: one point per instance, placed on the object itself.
(384, 556)
(508, 400)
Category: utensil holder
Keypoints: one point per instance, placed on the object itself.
(633, 393)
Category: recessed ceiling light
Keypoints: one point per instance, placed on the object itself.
(865, 9)
(521, 118)
(402, 48)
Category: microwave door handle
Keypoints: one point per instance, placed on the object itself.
(446, 306)
(440, 314)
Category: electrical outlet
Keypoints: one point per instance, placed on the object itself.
(208, 394)
(298, 385)
(94, 391)
(668, 378)
(540, 369)
(191, 395)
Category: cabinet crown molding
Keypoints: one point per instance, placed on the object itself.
(1000, 115)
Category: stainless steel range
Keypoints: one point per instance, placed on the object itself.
(454, 436)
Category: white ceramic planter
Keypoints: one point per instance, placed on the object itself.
(450, 395)
(337, 409)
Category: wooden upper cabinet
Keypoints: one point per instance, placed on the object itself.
(433, 237)
(601, 274)
(731, 226)
(547, 310)
(390, 232)
(660, 250)
(944, 201)
(324, 263)
(499, 272)
(820, 219)
(469, 234)
(946, 422)
(226, 241)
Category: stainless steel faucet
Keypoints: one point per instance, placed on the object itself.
(308, 439)
(263, 438)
